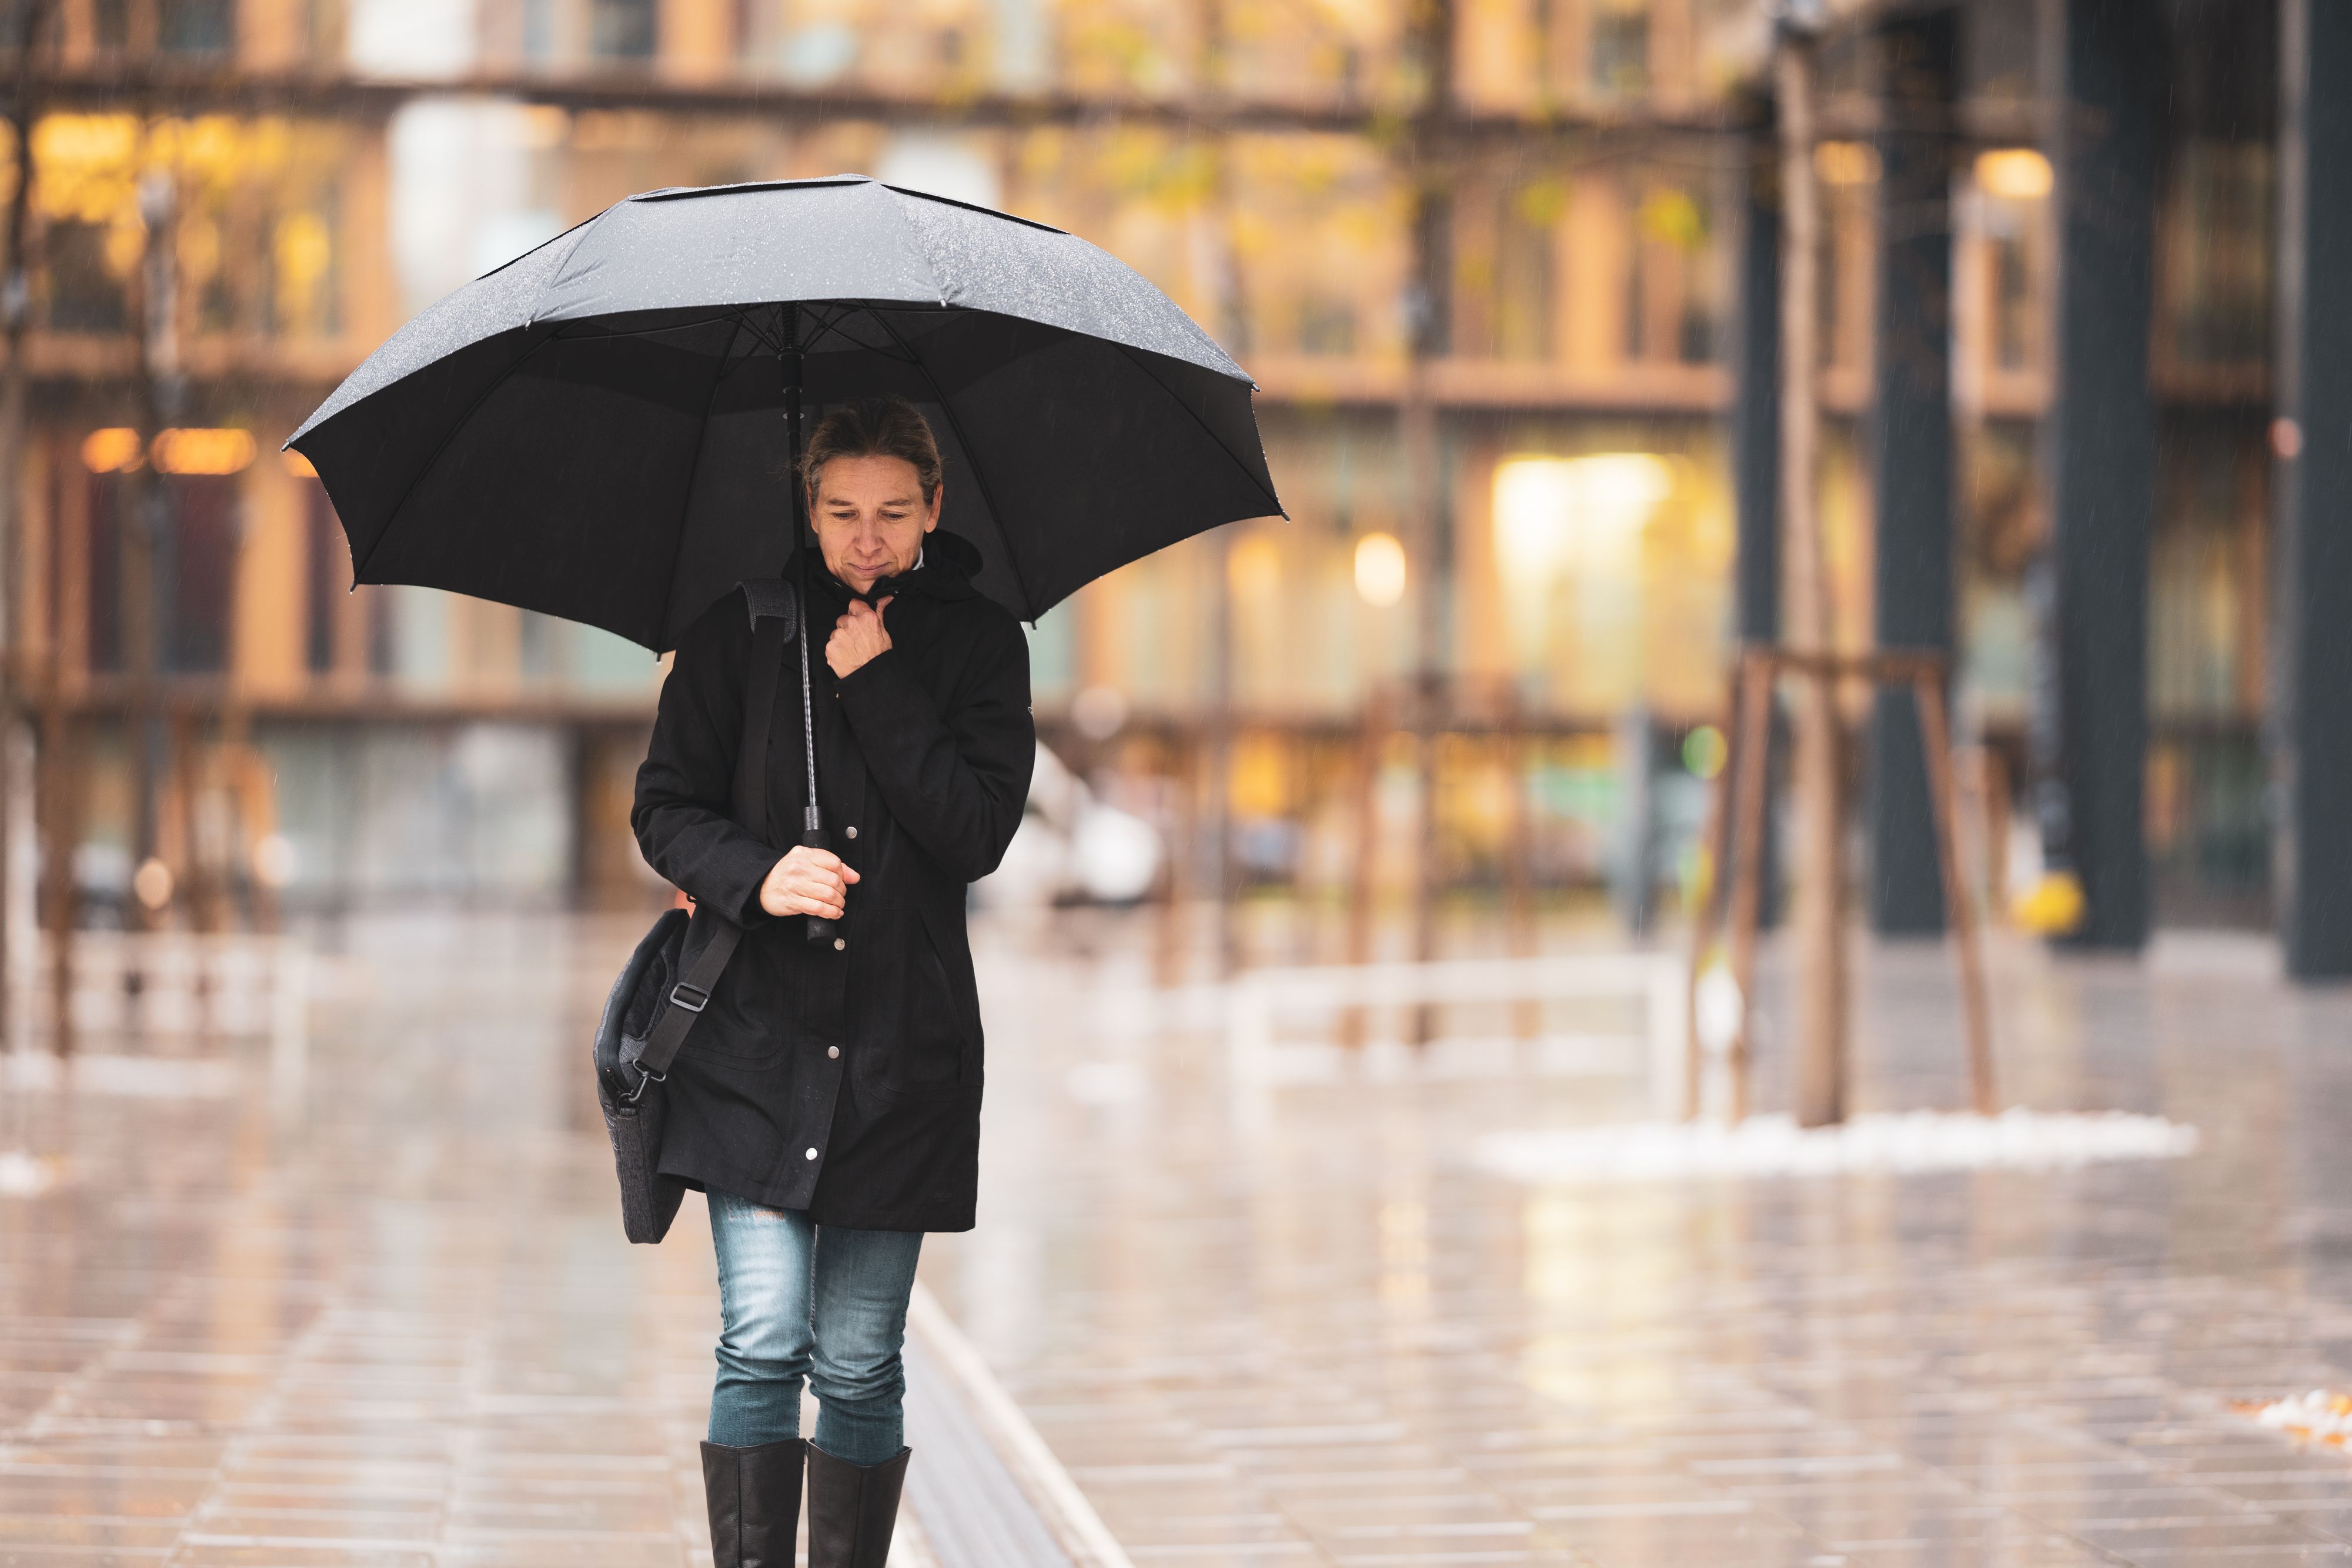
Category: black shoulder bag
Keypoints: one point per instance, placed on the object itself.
(668, 980)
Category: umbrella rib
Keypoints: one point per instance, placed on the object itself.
(582, 330)
(1012, 558)
(1213, 437)
(359, 568)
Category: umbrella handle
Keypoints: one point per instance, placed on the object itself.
(820, 929)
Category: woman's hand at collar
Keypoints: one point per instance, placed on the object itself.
(858, 636)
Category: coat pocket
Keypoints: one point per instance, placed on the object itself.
(913, 1041)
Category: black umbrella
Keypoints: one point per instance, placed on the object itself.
(592, 430)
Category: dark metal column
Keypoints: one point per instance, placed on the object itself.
(1911, 449)
(2101, 435)
(1755, 440)
(2314, 444)
(1756, 408)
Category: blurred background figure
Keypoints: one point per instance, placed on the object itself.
(1072, 847)
(1508, 274)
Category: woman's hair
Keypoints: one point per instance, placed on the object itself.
(886, 426)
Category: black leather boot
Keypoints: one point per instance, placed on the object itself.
(852, 1509)
(754, 1497)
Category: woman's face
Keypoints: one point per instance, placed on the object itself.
(871, 517)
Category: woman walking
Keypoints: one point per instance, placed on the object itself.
(828, 1100)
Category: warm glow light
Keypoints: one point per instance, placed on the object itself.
(2019, 173)
(1256, 566)
(299, 466)
(1379, 569)
(1575, 524)
(199, 451)
(1555, 514)
(1846, 162)
(114, 450)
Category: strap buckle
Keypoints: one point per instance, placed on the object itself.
(677, 995)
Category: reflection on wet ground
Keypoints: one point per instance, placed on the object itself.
(391, 1322)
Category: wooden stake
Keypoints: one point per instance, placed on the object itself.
(1705, 918)
(1753, 755)
(1936, 733)
(1820, 912)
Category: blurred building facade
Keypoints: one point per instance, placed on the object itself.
(1525, 216)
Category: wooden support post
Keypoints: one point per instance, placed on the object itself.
(1924, 672)
(60, 795)
(1752, 757)
(1363, 874)
(1934, 732)
(1705, 915)
(1820, 1031)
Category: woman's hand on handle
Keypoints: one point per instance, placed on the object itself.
(807, 880)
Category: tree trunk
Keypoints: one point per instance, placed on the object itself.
(1821, 868)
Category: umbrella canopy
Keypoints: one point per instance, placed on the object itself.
(595, 429)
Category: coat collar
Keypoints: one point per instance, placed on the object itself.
(944, 569)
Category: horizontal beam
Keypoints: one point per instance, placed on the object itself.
(160, 88)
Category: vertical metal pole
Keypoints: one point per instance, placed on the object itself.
(16, 303)
(1911, 451)
(1417, 419)
(1216, 816)
(2314, 696)
(2100, 438)
(147, 532)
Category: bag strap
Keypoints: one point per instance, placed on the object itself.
(773, 623)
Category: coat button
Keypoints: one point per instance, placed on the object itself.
(839, 944)
(812, 1153)
(832, 1051)
(851, 831)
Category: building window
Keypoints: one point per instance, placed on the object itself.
(1523, 271)
(86, 294)
(622, 30)
(197, 26)
(1327, 325)
(1620, 47)
(2215, 240)
(203, 570)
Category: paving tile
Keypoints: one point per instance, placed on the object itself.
(402, 1329)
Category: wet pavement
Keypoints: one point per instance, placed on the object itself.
(389, 1319)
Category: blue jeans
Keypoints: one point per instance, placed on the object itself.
(799, 1300)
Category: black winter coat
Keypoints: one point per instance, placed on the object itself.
(845, 1081)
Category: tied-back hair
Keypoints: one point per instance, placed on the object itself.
(886, 426)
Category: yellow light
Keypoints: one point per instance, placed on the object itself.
(1846, 162)
(1256, 566)
(1379, 569)
(297, 464)
(114, 449)
(200, 450)
(1704, 750)
(2052, 906)
(1555, 514)
(2018, 174)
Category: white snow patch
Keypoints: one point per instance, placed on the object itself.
(2317, 1416)
(1901, 1144)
